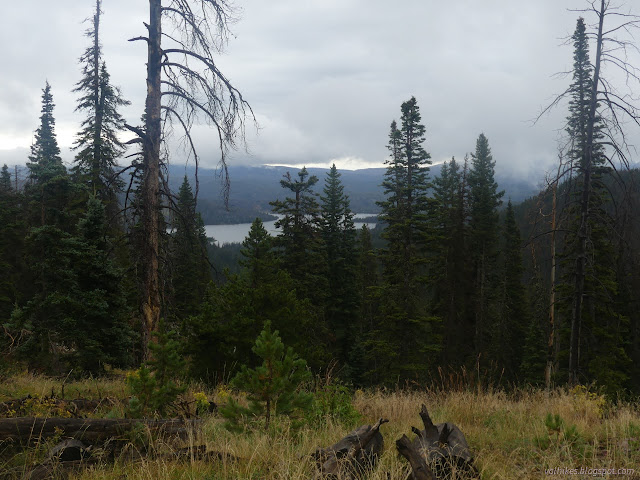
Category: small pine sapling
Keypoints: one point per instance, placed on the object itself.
(153, 386)
(274, 387)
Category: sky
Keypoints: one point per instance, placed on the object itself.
(325, 78)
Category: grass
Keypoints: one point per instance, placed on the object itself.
(509, 434)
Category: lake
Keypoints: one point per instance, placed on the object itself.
(237, 232)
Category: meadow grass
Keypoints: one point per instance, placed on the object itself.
(509, 434)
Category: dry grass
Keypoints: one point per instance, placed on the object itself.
(507, 434)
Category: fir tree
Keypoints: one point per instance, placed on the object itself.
(588, 258)
(449, 265)
(49, 189)
(339, 235)
(484, 226)
(300, 241)
(513, 316)
(259, 258)
(12, 232)
(77, 315)
(97, 142)
(188, 255)
(406, 336)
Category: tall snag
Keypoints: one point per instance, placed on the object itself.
(183, 85)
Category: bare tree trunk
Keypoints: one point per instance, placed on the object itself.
(581, 260)
(151, 182)
(552, 299)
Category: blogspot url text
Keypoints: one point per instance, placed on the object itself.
(596, 472)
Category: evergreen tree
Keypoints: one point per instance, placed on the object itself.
(97, 142)
(77, 315)
(406, 337)
(218, 338)
(300, 241)
(596, 324)
(484, 226)
(188, 255)
(49, 188)
(339, 235)
(361, 360)
(449, 265)
(5, 180)
(259, 258)
(513, 317)
(12, 232)
(275, 386)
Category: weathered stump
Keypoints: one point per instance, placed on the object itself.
(353, 456)
(441, 448)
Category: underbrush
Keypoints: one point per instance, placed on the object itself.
(518, 435)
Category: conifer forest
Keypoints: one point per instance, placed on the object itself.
(100, 256)
(108, 271)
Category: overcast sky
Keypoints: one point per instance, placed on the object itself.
(324, 77)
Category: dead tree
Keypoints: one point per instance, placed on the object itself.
(351, 457)
(184, 85)
(597, 140)
(437, 451)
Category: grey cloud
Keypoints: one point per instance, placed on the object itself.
(326, 77)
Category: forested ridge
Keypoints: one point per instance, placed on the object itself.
(457, 279)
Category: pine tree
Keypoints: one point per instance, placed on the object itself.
(406, 336)
(588, 258)
(484, 226)
(12, 232)
(188, 255)
(513, 316)
(49, 189)
(362, 362)
(97, 142)
(218, 338)
(77, 315)
(275, 386)
(449, 263)
(5, 180)
(300, 240)
(339, 235)
(259, 257)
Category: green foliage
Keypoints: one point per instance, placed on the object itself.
(97, 142)
(560, 434)
(300, 242)
(484, 225)
(154, 387)
(513, 315)
(190, 270)
(339, 235)
(274, 387)
(405, 338)
(333, 400)
(450, 271)
(77, 316)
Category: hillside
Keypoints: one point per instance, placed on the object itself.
(252, 188)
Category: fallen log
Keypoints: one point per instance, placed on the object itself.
(89, 430)
(21, 407)
(353, 456)
(419, 468)
(443, 447)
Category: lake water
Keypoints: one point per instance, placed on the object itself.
(237, 232)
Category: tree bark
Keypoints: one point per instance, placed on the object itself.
(151, 303)
(418, 463)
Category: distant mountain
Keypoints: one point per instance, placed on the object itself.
(252, 188)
